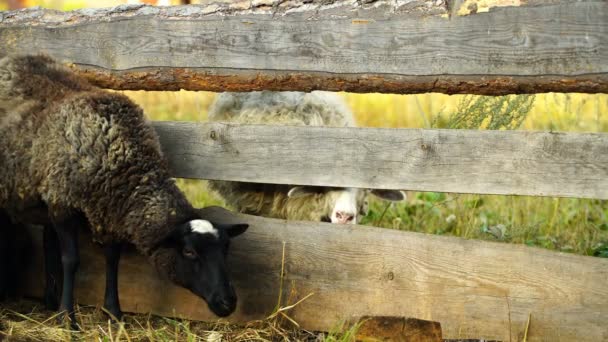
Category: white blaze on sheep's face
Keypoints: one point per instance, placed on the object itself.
(203, 227)
(345, 209)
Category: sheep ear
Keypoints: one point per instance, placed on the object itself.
(237, 229)
(299, 191)
(232, 229)
(390, 195)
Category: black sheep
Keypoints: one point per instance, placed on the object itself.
(72, 155)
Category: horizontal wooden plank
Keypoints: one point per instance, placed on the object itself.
(358, 46)
(461, 161)
(474, 289)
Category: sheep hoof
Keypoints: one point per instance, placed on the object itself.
(115, 314)
(66, 320)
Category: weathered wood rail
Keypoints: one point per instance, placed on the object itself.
(475, 289)
(368, 46)
(464, 161)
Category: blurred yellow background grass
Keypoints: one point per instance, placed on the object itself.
(550, 111)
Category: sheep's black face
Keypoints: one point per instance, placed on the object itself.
(200, 249)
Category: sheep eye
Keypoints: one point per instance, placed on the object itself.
(189, 253)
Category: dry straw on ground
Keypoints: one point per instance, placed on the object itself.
(26, 320)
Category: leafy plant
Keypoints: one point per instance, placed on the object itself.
(490, 112)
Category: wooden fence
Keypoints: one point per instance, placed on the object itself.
(475, 289)
(465, 161)
(364, 46)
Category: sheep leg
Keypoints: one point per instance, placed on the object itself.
(111, 302)
(52, 268)
(67, 232)
(5, 225)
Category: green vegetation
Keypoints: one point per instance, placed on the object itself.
(564, 224)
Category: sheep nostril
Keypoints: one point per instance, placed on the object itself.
(344, 217)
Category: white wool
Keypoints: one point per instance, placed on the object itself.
(346, 204)
(317, 108)
(203, 227)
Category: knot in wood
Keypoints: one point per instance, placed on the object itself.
(390, 275)
(213, 135)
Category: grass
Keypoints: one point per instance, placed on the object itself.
(26, 321)
(565, 224)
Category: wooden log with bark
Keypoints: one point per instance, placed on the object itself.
(365, 46)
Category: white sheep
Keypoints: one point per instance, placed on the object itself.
(292, 202)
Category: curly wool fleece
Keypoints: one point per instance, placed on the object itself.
(70, 148)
